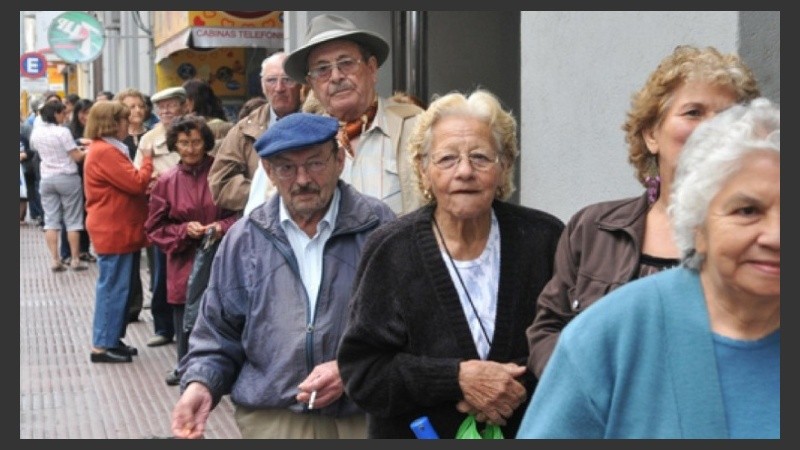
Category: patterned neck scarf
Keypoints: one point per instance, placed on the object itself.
(353, 129)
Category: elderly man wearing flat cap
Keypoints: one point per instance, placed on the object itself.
(170, 103)
(276, 303)
(340, 62)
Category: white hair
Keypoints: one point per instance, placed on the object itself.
(272, 57)
(711, 155)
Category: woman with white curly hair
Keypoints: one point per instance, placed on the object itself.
(443, 294)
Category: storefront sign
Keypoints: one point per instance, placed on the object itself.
(178, 30)
(207, 37)
(76, 37)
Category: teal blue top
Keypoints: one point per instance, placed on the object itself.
(640, 363)
(750, 376)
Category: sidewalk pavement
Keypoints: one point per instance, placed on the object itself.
(62, 395)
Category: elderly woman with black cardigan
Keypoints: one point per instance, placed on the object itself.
(443, 294)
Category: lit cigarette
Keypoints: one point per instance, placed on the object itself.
(311, 400)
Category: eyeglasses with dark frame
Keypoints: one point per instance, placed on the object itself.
(324, 71)
(478, 160)
(288, 171)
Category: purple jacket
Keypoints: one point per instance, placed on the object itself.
(182, 195)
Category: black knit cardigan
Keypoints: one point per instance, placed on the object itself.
(407, 333)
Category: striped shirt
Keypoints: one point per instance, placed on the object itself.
(373, 170)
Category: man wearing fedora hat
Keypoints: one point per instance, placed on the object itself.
(277, 299)
(170, 103)
(340, 63)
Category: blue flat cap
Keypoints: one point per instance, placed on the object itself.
(297, 130)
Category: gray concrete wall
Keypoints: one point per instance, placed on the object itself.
(579, 70)
(760, 47)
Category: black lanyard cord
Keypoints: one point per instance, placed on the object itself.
(458, 274)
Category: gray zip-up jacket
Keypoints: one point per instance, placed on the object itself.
(253, 338)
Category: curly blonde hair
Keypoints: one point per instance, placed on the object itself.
(130, 92)
(685, 63)
(480, 104)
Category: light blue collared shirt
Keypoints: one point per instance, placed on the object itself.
(308, 251)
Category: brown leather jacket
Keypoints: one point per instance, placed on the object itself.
(598, 252)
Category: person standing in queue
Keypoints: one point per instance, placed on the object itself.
(443, 294)
(276, 303)
(608, 244)
(116, 203)
(340, 62)
(236, 161)
(170, 103)
(693, 352)
(180, 211)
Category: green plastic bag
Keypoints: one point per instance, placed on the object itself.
(469, 430)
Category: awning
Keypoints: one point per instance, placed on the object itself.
(216, 37)
(176, 43)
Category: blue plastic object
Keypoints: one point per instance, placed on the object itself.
(423, 429)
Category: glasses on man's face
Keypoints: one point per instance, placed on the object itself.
(324, 71)
(171, 107)
(185, 143)
(479, 160)
(273, 81)
(287, 171)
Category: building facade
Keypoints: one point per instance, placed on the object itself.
(567, 76)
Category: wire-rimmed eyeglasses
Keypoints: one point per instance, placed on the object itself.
(324, 71)
(478, 160)
(273, 81)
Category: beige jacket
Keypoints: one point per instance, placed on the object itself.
(402, 117)
(236, 161)
(219, 128)
(163, 159)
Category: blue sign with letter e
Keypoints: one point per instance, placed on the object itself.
(32, 65)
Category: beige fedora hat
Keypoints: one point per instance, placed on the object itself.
(326, 28)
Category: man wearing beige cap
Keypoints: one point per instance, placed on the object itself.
(340, 62)
(170, 103)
